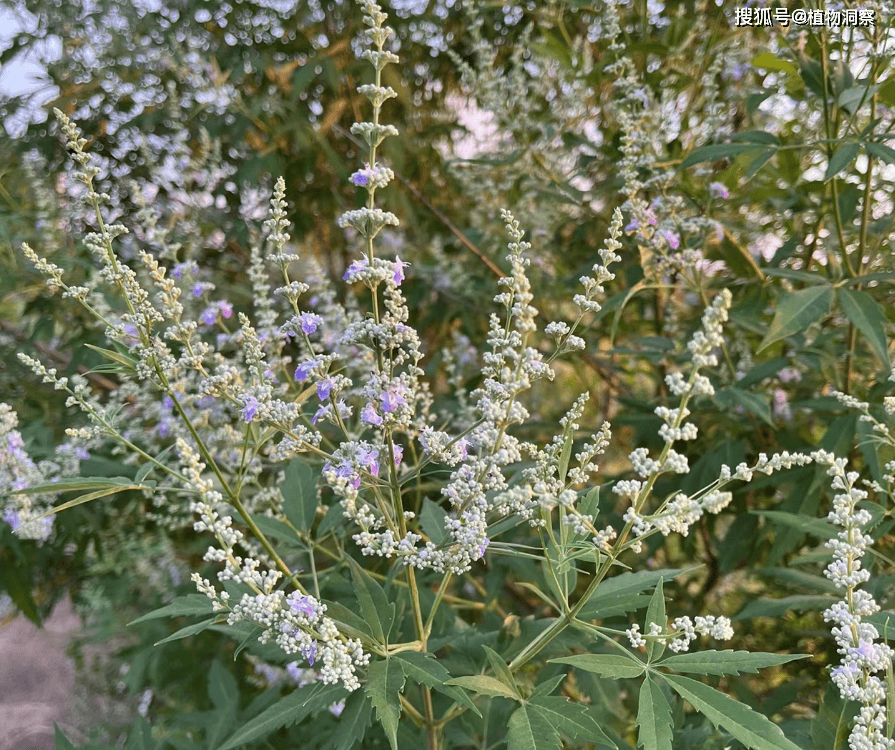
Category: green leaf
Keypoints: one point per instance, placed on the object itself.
(530, 730)
(762, 137)
(841, 158)
(385, 681)
(189, 630)
(574, 720)
(800, 578)
(590, 504)
(764, 607)
(73, 484)
(868, 317)
(726, 662)
(344, 616)
(797, 311)
(655, 613)
(126, 363)
(881, 151)
(543, 689)
(224, 694)
(852, 98)
(614, 666)
(769, 61)
(832, 725)
(353, 722)
(566, 453)
(796, 275)
(61, 741)
(273, 528)
(767, 369)
(222, 688)
(284, 713)
(375, 607)
(759, 161)
(559, 571)
(334, 518)
(426, 670)
(621, 593)
(718, 151)
(182, 606)
(485, 685)
(501, 670)
(750, 727)
(814, 526)
(432, 521)
(299, 494)
(654, 720)
(731, 397)
(140, 737)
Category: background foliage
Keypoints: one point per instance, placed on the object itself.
(756, 160)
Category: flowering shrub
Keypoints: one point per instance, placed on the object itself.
(374, 528)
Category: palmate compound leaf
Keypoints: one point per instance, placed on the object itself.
(750, 727)
(385, 681)
(654, 720)
(725, 662)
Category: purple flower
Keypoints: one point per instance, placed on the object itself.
(399, 454)
(321, 412)
(393, 397)
(250, 408)
(310, 652)
(324, 387)
(360, 179)
(368, 458)
(632, 226)
(399, 267)
(673, 239)
(81, 454)
(370, 416)
(482, 547)
(718, 190)
(198, 289)
(303, 371)
(209, 316)
(226, 308)
(336, 708)
(12, 518)
(303, 604)
(355, 267)
(463, 445)
(310, 321)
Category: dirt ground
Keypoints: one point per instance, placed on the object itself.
(37, 680)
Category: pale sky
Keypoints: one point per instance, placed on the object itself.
(22, 75)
